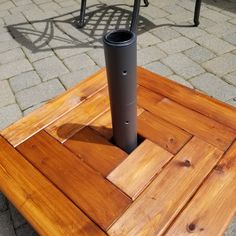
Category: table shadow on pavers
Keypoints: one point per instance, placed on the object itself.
(61, 32)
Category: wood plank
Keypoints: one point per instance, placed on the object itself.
(214, 205)
(78, 118)
(153, 211)
(165, 134)
(103, 124)
(192, 99)
(92, 193)
(39, 119)
(193, 122)
(138, 170)
(95, 150)
(41, 203)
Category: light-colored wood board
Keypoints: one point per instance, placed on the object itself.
(75, 120)
(92, 193)
(193, 122)
(214, 205)
(51, 111)
(154, 210)
(168, 136)
(103, 123)
(41, 203)
(190, 98)
(139, 168)
(95, 150)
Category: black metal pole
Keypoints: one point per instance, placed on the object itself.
(121, 63)
(197, 12)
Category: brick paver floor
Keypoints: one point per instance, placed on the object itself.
(42, 54)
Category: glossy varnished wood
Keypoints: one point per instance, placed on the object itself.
(45, 207)
(162, 200)
(137, 171)
(101, 200)
(96, 151)
(53, 110)
(61, 169)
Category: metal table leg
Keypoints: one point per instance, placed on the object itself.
(135, 15)
(81, 23)
(146, 2)
(197, 12)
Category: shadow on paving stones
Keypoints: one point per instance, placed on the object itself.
(61, 33)
(223, 5)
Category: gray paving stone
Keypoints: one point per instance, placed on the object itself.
(8, 45)
(215, 44)
(4, 13)
(14, 68)
(232, 102)
(23, 8)
(233, 21)
(6, 5)
(180, 80)
(16, 217)
(182, 65)
(6, 227)
(199, 54)
(176, 45)
(70, 80)
(49, 5)
(149, 54)
(25, 230)
(214, 86)
(6, 95)
(98, 56)
(221, 29)
(221, 65)
(9, 114)
(78, 62)
(173, 9)
(24, 80)
(22, 2)
(231, 231)
(183, 17)
(3, 203)
(5, 36)
(214, 15)
(231, 78)
(190, 32)
(17, 18)
(50, 68)
(37, 94)
(231, 38)
(147, 39)
(154, 12)
(31, 109)
(11, 55)
(165, 33)
(159, 68)
(37, 14)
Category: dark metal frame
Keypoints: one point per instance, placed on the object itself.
(135, 14)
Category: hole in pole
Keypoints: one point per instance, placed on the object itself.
(125, 72)
(127, 122)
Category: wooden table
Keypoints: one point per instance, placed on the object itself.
(59, 169)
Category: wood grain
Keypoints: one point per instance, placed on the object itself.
(163, 199)
(214, 205)
(103, 124)
(165, 134)
(92, 193)
(193, 122)
(95, 150)
(41, 203)
(43, 116)
(75, 120)
(137, 171)
(194, 100)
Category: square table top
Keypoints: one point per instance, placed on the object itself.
(60, 169)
